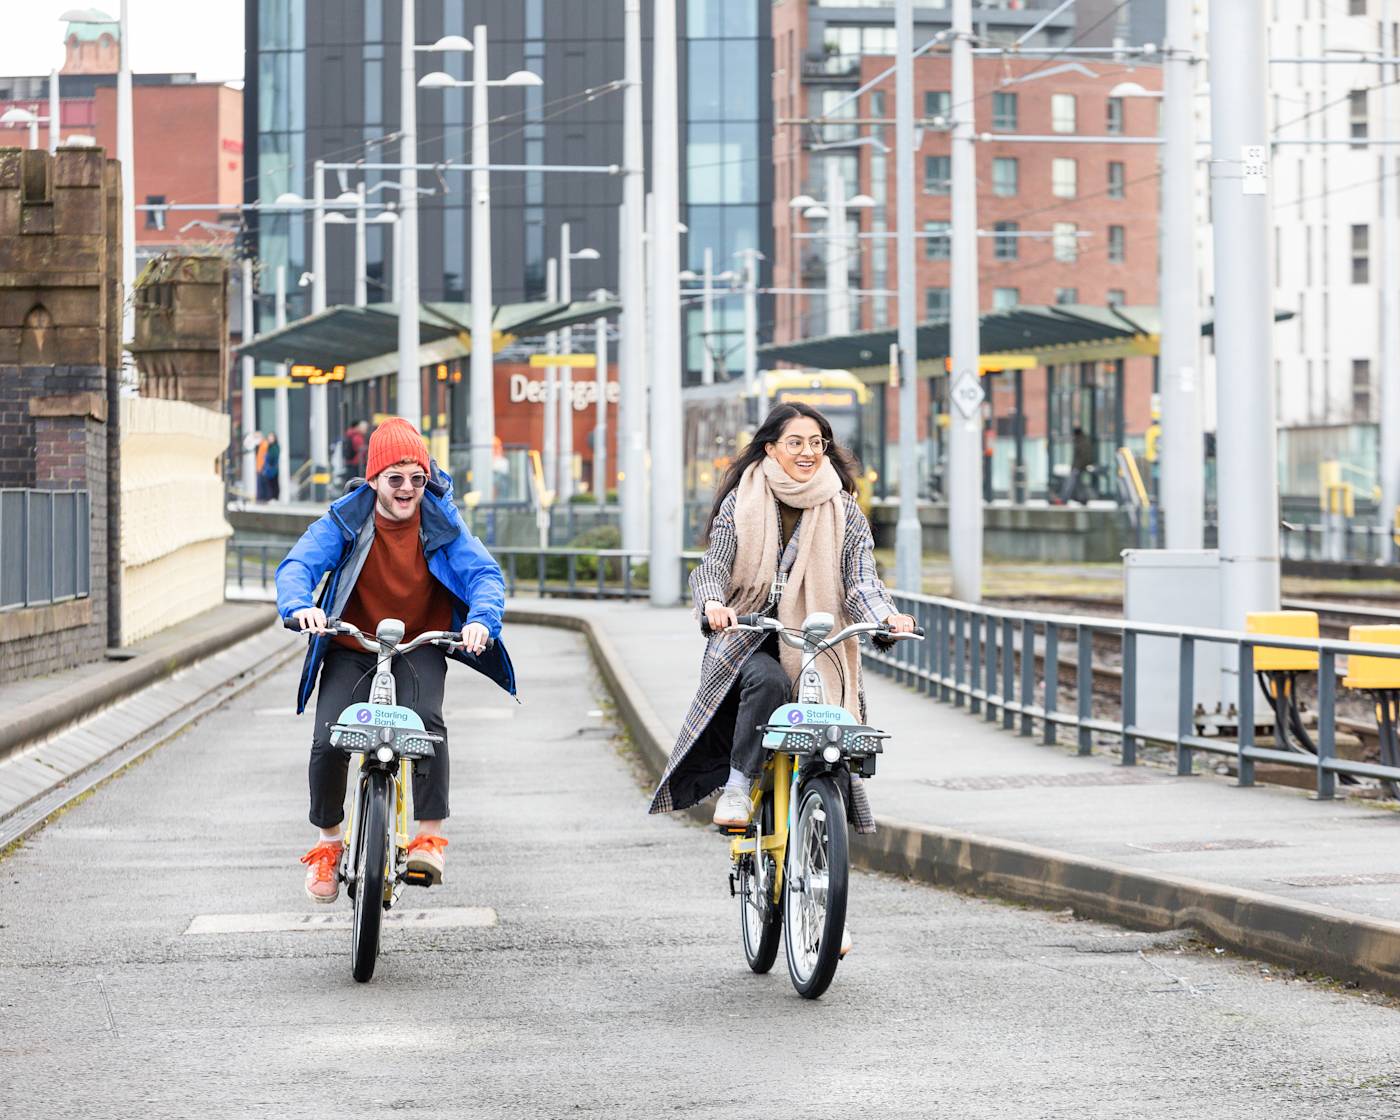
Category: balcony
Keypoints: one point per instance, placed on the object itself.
(831, 66)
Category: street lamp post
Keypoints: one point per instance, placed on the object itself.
(282, 405)
(567, 255)
(250, 412)
(631, 271)
(750, 257)
(126, 153)
(482, 368)
(600, 426)
(550, 450)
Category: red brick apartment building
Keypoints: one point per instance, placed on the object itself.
(1061, 221)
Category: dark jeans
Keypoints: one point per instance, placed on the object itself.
(346, 677)
(761, 687)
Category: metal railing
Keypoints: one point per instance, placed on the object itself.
(44, 547)
(1345, 542)
(984, 658)
(573, 573)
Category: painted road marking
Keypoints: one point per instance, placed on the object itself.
(448, 917)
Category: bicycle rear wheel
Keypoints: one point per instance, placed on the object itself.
(371, 865)
(814, 911)
(760, 917)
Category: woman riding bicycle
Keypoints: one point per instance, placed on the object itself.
(787, 538)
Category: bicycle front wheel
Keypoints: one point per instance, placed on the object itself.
(814, 911)
(760, 916)
(371, 865)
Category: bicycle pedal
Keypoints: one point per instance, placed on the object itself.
(418, 878)
(730, 830)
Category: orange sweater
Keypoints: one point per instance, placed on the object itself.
(395, 583)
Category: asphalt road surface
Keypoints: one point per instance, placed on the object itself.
(611, 981)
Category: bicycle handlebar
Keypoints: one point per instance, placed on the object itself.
(446, 638)
(758, 623)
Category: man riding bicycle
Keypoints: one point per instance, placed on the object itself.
(394, 547)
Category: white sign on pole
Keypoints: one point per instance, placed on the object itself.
(967, 394)
(1254, 169)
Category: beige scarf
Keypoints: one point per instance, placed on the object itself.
(815, 581)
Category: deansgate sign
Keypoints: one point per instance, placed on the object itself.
(531, 390)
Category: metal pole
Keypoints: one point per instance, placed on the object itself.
(838, 284)
(600, 438)
(320, 431)
(908, 533)
(566, 374)
(482, 369)
(55, 113)
(361, 279)
(249, 409)
(126, 149)
(751, 257)
(410, 392)
(1247, 451)
(965, 431)
(282, 414)
(707, 320)
(551, 395)
(1386, 379)
(632, 352)
(1183, 453)
(666, 496)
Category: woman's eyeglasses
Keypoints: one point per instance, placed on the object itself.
(793, 445)
(396, 481)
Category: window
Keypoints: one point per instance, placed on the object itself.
(938, 174)
(1004, 112)
(1062, 115)
(936, 243)
(155, 219)
(1117, 297)
(1064, 178)
(1005, 176)
(1006, 246)
(938, 103)
(1356, 8)
(1116, 249)
(936, 303)
(1361, 389)
(1066, 241)
(1116, 180)
(1066, 295)
(1005, 298)
(1114, 121)
(1360, 254)
(1356, 104)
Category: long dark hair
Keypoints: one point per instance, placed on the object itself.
(770, 431)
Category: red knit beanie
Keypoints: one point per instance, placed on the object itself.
(395, 441)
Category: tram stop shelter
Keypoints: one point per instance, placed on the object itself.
(1046, 370)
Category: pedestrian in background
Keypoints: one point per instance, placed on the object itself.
(352, 449)
(1078, 487)
(269, 480)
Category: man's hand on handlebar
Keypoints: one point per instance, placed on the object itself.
(475, 637)
(311, 618)
(719, 616)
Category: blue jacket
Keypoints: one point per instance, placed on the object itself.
(338, 543)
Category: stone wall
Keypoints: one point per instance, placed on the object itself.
(60, 313)
(172, 525)
(181, 343)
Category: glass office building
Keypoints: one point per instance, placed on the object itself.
(321, 82)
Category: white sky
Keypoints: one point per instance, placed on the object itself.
(205, 36)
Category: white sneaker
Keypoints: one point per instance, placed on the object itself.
(733, 810)
(845, 941)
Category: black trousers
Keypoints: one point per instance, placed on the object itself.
(761, 687)
(346, 677)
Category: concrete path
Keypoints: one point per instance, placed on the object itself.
(611, 981)
(946, 770)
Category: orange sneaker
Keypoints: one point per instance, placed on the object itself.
(322, 871)
(425, 857)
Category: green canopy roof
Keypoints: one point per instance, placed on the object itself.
(346, 335)
(1051, 334)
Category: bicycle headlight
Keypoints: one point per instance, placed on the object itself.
(832, 754)
(385, 754)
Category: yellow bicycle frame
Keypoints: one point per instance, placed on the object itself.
(784, 777)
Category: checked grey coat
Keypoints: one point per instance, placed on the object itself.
(699, 762)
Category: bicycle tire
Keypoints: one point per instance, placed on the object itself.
(760, 928)
(818, 880)
(371, 865)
